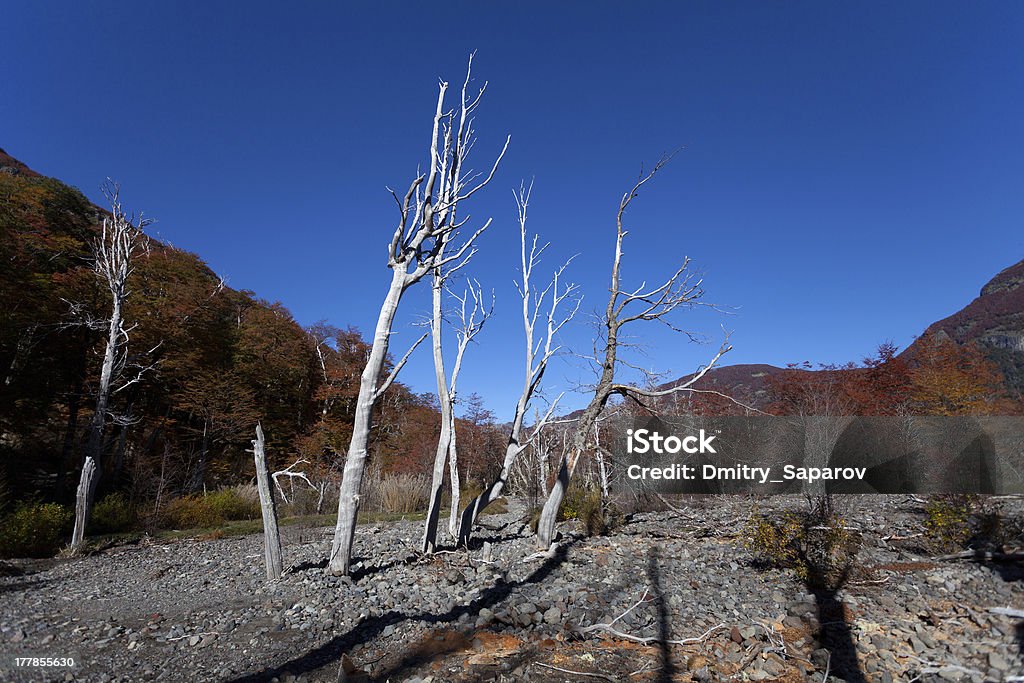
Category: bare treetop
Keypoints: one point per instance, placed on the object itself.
(427, 213)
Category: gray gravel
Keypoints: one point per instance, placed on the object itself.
(202, 610)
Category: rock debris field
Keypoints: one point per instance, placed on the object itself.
(678, 594)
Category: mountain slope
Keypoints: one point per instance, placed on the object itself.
(994, 321)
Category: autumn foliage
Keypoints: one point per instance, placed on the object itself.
(936, 376)
(221, 361)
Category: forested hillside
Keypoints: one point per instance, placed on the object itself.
(211, 361)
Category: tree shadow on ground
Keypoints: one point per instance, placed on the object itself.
(834, 634)
(306, 566)
(364, 571)
(16, 586)
(371, 628)
(1010, 572)
(667, 672)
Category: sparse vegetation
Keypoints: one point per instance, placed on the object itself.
(34, 529)
(596, 515)
(958, 521)
(113, 514)
(816, 544)
(199, 511)
(948, 521)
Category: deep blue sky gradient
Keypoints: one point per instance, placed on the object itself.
(852, 171)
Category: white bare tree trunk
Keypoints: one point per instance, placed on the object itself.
(447, 445)
(113, 252)
(534, 367)
(82, 503)
(355, 462)
(624, 307)
(268, 507)
(426, 225)
(454, 483)
(444, 398)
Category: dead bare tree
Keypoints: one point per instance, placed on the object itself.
(268, 508)
(120, 240)
(427, 225)
(292, 476)
(538, 353)
(653, 304)
(469, 326)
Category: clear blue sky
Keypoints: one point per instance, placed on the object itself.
(852, 171)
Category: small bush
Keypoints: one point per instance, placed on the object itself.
(404, 494)
(199, 511)
(774, 542)
(114, 514)
(965, 521)
(534, 515)
(191, 512)
(821, 550)
(948, 521)
(34, 529)
(236, 502)
(597, 515)
(576, 500)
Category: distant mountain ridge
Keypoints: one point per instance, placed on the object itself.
(12, 166)
(994, 321)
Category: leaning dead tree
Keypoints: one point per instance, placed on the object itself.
(470, 324)
(538, 352)
(642, 304)
(427, 224)
(268, 508)
(120, 240)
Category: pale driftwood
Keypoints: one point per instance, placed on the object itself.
(82, 503)
(268, 507)
(585, 674)
(982, 555)
(644, 303)
(427, 222)
(648, 639)
(1008, 612)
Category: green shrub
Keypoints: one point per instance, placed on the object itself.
(191, 512)
(576, 500)
(948, 520)
(967, 521)
(34, 529)
(815, 544)
(236, 502)
(203, 511)
(597, 515)
(774, 542)
(114, 514)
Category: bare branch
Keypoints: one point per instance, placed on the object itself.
(287, 472)
(386, 384)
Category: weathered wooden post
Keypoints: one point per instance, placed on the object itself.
(271, 535)
(82, 503)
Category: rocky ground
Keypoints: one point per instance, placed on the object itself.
(197, 610)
